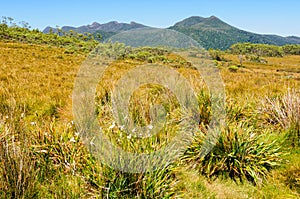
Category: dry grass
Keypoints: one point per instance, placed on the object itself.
(255, 80)
(40, 77)
(36, 84)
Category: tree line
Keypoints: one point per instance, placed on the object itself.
(265, 50)
(72, 41)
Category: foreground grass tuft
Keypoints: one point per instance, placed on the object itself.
(284, 111)
(240, 153)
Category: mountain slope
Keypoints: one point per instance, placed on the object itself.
(106, 29)
(112, 26)
(210, 32)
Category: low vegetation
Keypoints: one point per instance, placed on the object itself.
(71, 41)
(42, 154)
(241, 153)
(265, 50)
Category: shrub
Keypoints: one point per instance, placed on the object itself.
(233, 68)
(258, 59)
(217, 55)
(291, 49)
(77, 42)
(257, 49)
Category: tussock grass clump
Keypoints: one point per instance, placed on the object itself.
(155, 184)
(284, 112)
(240, 153)
(18, 174)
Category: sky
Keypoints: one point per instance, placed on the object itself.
(281, 17)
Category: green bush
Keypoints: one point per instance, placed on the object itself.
(233, 68)
(257, 49)
(78, 42)
(258, 59)
(217, 55)
(291, 49)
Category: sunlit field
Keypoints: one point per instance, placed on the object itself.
(42, 154)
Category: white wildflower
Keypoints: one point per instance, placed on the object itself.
(122, 127)
(112, 126)
(67, 164)
(252, 135)
(42, 151)
(148, 134)
(150, 126)
(92, 143)
(72, 139)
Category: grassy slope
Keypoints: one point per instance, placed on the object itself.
(42, 78)
(37, 75)
(258, 79)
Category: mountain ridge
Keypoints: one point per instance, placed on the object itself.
(112, 26)
(210, 32)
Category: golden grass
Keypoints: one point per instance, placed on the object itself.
(41, 75)
(38, 76)
(255, 80)
(42, 79)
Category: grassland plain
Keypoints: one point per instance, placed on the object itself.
(42, 155)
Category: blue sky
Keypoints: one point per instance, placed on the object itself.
(260, 16)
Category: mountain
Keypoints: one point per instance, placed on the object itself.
(210, 32)
(106, 29)
(204, 23)
(295, 39)
(112, 26)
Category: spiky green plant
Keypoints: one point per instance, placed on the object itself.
(155, 184)
(240, 153)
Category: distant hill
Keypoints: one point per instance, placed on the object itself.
(295, 39)
(210, 32)
(106, 29)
